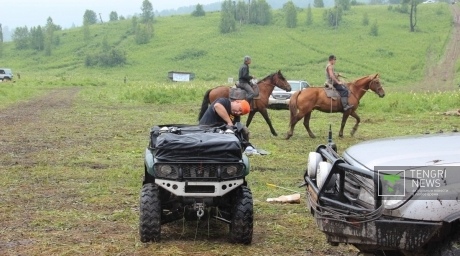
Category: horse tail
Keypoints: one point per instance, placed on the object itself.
(204, 104)
(293, 108)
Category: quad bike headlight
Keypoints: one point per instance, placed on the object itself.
(166, 171)
(230, 170)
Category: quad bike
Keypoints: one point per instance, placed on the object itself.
(196, 172)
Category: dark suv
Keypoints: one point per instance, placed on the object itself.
(393, 196)
(196, 172)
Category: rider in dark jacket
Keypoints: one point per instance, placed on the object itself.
(244, 79)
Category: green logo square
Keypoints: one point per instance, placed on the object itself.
(392, 183)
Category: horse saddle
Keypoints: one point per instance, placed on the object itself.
(331, 92)
(236, 93)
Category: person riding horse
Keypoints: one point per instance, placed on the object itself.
(331, 79)
(244, 81)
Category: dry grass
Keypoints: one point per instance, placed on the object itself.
(71, 172)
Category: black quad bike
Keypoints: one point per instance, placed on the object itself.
(196, 172)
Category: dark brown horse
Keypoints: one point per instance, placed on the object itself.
(266, 87)
(303, 102)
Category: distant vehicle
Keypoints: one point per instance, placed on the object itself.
(429, 2)
(6, 74)
(281, 98)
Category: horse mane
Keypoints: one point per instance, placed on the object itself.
(267, 77)
(364, 77)
(361, 78)
(272, 75)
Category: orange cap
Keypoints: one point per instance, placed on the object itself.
(245, 108)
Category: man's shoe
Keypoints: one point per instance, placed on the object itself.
(347, 107)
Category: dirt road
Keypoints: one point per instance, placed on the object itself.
(440, 75)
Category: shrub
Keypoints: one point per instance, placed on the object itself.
(374, 29)
(365, 19)
(333, 16)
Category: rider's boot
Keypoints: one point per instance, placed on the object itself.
(345, 104)
(251, 103)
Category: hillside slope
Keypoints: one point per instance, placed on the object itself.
(186, 43)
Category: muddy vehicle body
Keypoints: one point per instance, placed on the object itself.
(394, 196)
(196, 172)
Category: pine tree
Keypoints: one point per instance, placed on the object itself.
(147, 12)
(227, 19)
(309, 16)
(318, 3)
(290, 14)
(49, 36)
(113, 16)
(199, 11)
(21, 38)
(1, 40)
(89, 17)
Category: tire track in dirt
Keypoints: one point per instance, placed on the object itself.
(441, 76)
(23, 129)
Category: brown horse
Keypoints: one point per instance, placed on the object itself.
(303, 102)
(266, 87)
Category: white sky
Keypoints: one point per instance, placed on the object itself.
(31, 13)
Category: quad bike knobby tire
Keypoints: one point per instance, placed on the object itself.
(150, 213)
(241, 226)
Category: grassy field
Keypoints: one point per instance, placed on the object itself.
(73, 173)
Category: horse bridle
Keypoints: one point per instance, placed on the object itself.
(272, 76)
(373, 81)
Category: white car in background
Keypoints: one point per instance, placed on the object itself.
(280, 98)
(6, 74)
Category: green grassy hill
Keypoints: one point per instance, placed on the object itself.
(194, 44)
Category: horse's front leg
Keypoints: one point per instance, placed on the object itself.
(264, 113)
(358, 120)
(344, 121)
(250, 116)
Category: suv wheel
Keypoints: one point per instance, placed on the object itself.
(150, 213)
(241, 226)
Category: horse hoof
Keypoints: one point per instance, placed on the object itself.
(275, 134)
